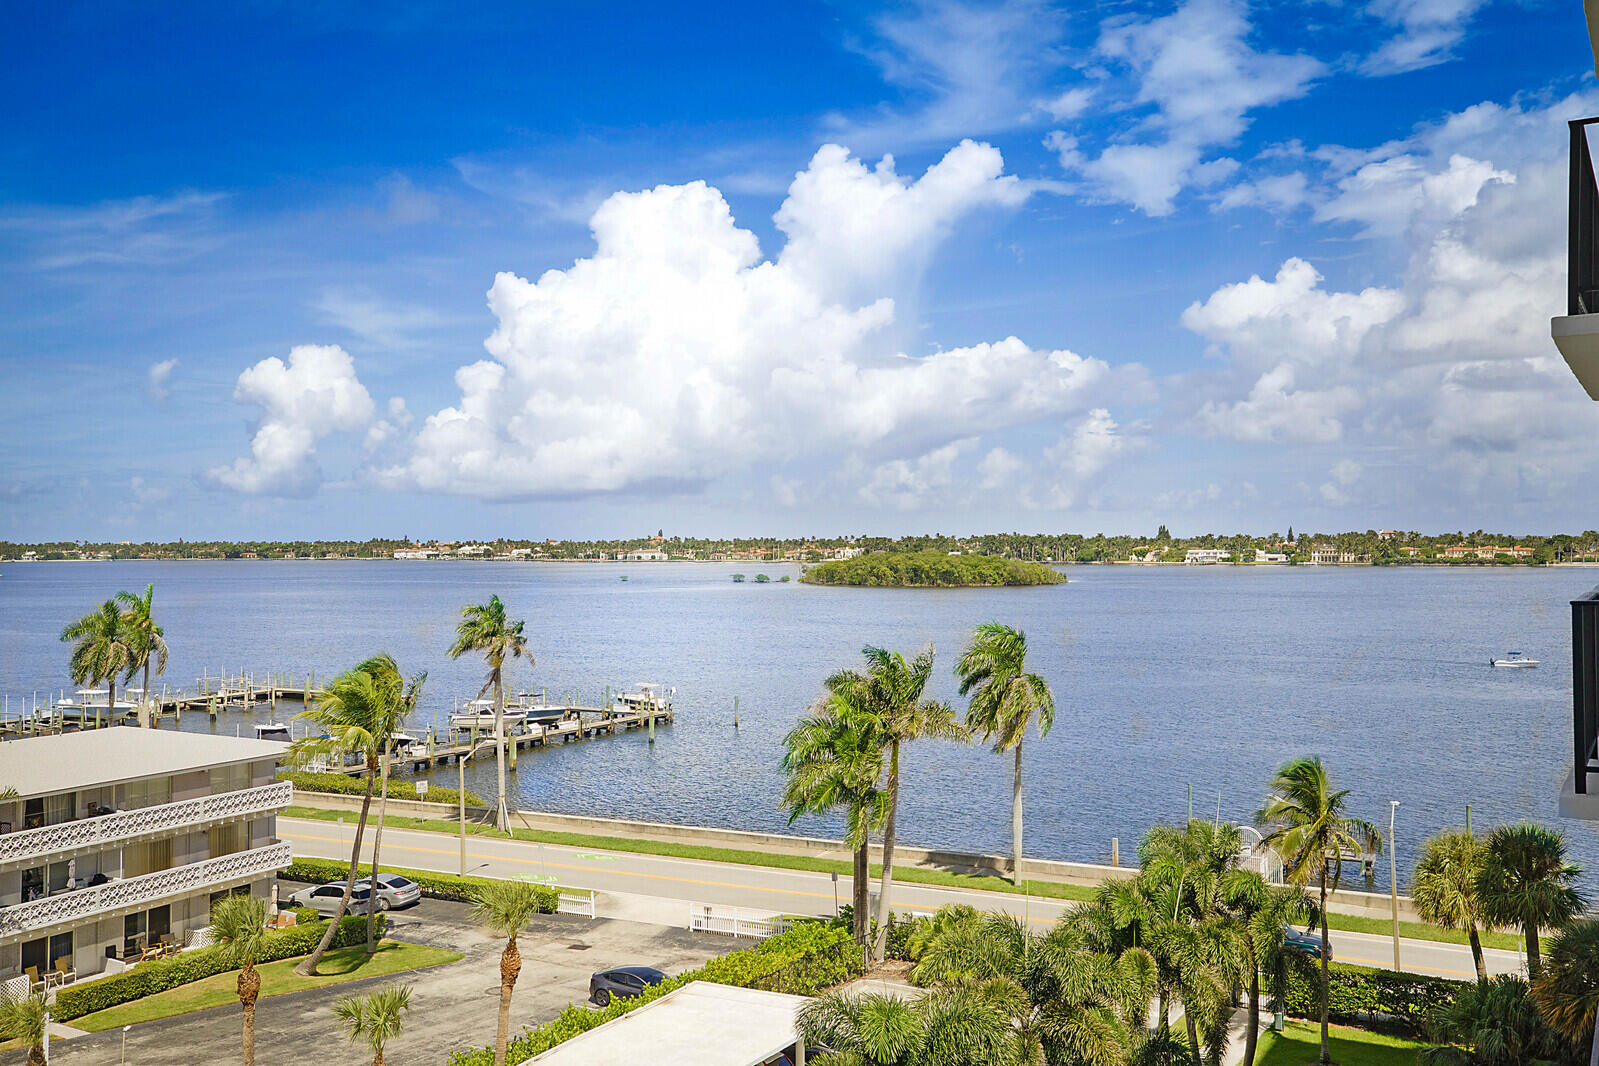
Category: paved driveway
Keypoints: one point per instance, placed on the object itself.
(451, 1007)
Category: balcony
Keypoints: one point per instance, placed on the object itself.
(32, 847)
(1580, 797)
(40, 916)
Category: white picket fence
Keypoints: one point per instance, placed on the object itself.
(577, 901)
(734, 921)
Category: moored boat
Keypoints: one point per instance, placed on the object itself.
(1514, 659)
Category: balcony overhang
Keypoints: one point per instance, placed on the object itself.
(1577, 337)
(33, 847)
(43, 917)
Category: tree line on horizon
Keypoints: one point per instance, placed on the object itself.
(1381, 546)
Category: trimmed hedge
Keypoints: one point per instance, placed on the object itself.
(158, 975)
(433, 885)
(1399, 1002)
(809, 957)
(346, 785)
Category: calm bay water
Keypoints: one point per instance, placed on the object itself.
(1165, 677)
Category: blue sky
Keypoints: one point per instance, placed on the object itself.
(280, 271)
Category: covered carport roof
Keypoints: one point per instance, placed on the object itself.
(700, 1024)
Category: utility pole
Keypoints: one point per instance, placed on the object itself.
(1393, 877)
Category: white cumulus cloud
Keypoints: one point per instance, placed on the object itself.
(160, 379)
(302, 401)
(676, 353)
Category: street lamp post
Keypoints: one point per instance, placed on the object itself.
(460, 765)
(1393, 877)
(125, 1029)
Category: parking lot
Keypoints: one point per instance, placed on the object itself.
(452, 1006)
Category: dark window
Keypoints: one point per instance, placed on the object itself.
(61, 948)
(36, 953)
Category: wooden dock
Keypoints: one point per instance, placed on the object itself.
(582, 723)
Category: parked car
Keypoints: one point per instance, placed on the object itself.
(1304, 943)
(324, 899)
(622, 982)
(393, 890)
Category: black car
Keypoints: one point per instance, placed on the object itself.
(622, 982)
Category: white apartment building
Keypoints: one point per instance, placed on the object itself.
(1204, 556)
(118, 840)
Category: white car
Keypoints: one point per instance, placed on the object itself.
(394, 891)
(324, 899)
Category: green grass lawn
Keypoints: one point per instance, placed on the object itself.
(1300, 1043)
(910, 874)
(277, 978)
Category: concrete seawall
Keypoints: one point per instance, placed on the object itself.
(1070, 873)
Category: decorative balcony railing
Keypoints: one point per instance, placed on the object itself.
(148, 890)
(34, 846)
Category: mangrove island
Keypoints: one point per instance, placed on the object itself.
(930, 570)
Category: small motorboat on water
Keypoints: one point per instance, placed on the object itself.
(479, 715)
(1515, 658)
(273, 731)
(648, 694)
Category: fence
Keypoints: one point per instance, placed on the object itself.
(734, 921)
(576, 901)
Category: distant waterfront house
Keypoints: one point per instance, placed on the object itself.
(1206, 556)
(1263, 556)
(1387, 534)
(416, 553)
(1411, 550)
(119, 840)
(645, 555)
(1328, 555)
(473, 550)
(1485, 552)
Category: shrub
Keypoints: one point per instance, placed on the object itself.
(158, 975)
(809, 957)
(433, 885)
(1400, 1002)
(346, 785)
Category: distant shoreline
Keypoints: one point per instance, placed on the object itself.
(1477, 564)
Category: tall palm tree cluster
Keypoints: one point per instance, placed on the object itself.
(119, 639)
(844, 755)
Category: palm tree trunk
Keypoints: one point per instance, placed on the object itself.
(36, 1054)
(1016, 819)
(1193, 1033)
(861, 892)
(146, 719)
(377, 842)
(377, 1058)
(502, 819)
(510, 966)
(249, 987)
(248, 1037)
(308, 967)
(1476, 952)
(1165, 1012)
(1326, 949)
(1252, 1035)
(880, 944)
(1534, 963)
(110, 699)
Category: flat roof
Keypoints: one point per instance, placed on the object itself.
(66, 762)
(700, 1024)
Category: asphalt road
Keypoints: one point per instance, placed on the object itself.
(620, 875)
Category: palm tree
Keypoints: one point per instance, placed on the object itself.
(1525, 880)
(238, 923)
(504, 908)
(955, 1026)
(399, 700)
(1066, 1001)
(1445, 887)
(1495, 1024)
(1311, 831)
(148, 643)
(1004, 699)
(1567, 993)
(890, 691)
(376, 1017)
(26, 1018)
(357, 712)
(104, 648)
(1265, 913)
(834, 761)
(484, 628)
